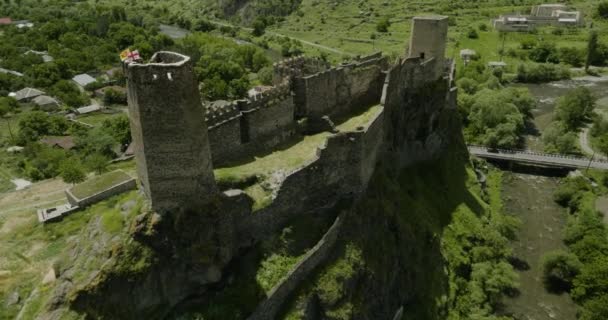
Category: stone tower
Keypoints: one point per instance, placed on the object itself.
(169, 133)
(428, 39)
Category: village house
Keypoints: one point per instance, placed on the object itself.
(45, 55)
(46, 103)
(27, 94)
(6, 21)
(83, 80)
(15, 73)
(88, 109)
(62, 142)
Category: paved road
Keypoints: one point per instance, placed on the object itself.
(312, 44)
(537, 158)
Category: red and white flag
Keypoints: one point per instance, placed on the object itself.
(128, 56)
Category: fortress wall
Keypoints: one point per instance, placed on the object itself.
(297, 67)
(244, 127)
(270, 115)
(342, 168)
(225, 141)
(340, 90)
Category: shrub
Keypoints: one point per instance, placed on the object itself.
(483, 27)
(570, 190)
(472, 34)
(541, 72)
(559, 270)
(383, 25)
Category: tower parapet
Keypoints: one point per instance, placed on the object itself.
(171, 143)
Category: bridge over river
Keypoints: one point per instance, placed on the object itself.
(538, 158)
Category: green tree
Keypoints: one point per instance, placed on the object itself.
(472, 34)
(96, 141)
(494, 120)
(97, 162)
(119, 129)
(592, 50)
(592, 282)
(595, 309)
(572, 56)
(544, 52)
(575, 108)
(557, 139)
(72, 172)
(602, 9)
(68, 93)
(259, 27)
(467, 85)
(559, 270)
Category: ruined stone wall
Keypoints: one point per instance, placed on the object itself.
(297, 67)
(171, 145)
(340, 90)
(270, 307)
(342, 169)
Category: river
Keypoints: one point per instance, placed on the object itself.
(529, 197)
(547, 94)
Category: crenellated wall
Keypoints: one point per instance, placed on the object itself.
(241, 128)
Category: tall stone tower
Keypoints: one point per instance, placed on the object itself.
(169, 132)
(429, 37)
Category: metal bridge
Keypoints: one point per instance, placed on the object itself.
(538, 158)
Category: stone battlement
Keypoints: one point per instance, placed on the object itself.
(220, 112)
(297, 67)
(279, 92)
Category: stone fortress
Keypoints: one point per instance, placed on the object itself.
(179, 141)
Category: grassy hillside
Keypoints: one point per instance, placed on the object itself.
(350, 25)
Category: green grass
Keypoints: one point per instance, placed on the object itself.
(29, 248)
(360, 120)
(96, 119)
(112, 221)
(273, 269)
(99, 183)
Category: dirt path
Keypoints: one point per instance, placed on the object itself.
(529, 197)
(37, 195)
(312, 44)
(583, 139)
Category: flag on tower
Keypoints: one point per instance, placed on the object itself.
(128, 56)
(124, 55)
